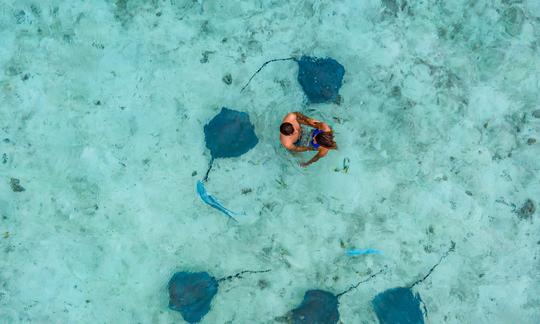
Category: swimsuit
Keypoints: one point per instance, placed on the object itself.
(306, 138)
(313, 134)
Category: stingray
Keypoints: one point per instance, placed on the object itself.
(191, 293)
(319, 306)
(229, 134)
(398, 305)
(320, 78)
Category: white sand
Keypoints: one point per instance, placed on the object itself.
(104, 103)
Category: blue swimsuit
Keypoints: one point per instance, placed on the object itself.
(313, 134)
(306, 138)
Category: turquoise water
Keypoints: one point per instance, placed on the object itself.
(102, 109)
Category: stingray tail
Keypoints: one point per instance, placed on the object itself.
(264, 64)
(208, 171)
(239, 274)
(361, 282)
(450, 249)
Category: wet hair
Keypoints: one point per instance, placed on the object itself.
(286, 129)
(326, 139)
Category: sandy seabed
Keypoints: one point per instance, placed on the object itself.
(102, 106)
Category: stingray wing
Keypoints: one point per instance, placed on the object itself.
(230, 134)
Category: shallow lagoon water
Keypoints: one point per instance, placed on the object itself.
(102, 110)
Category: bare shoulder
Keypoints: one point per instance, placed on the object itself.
(325, 127)
(290, 147)
(289, 117)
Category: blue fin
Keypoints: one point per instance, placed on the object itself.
(213, 202)
(355, 252)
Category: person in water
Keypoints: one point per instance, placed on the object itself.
(296, 139)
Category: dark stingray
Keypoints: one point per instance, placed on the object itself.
(398, 305)
(319, 306)
(393, 306)
(229, 134)
(191, 293)
(320, 78)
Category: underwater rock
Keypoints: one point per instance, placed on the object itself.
(531, 141)
(513, 19)
(536, 113)
(398, 305)
(227, 79)
(16, 185)
(205, 56)
(245, 191)
(394, 6)
(320, 78)
(317, 307)
(263, 284)
(527, 210)
(20, 16)
(191, 293)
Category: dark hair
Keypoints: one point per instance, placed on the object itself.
(326, 139)
(286, 129)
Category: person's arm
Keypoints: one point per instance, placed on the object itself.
(313, 159)
(303, 119)
(295, 148)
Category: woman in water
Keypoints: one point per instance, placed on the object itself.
(296, 139)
